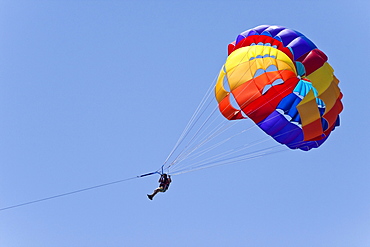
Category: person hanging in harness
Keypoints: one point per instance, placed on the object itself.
(164, 182)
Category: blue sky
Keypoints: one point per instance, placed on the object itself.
(97, 91)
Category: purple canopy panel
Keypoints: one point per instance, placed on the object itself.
(288, 134)
(300, 46)
(287, 36)
(274, 30)
(273, 123)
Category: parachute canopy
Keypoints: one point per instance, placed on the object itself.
(278, 78)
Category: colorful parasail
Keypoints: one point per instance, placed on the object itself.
(278, 78)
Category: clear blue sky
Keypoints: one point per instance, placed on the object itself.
(96, 91)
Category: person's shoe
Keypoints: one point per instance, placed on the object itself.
(150, 197)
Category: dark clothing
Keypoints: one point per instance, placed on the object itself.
(164, 183)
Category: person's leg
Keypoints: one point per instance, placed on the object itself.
(154, 193)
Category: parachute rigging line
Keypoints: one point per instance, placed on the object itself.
(76, 191)
(215, 134)
(231, 156)
(192, 121)
(243, 157)
(196, 141)
(197, 115)
(195, 118)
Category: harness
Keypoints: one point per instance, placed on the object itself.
(164, 183)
